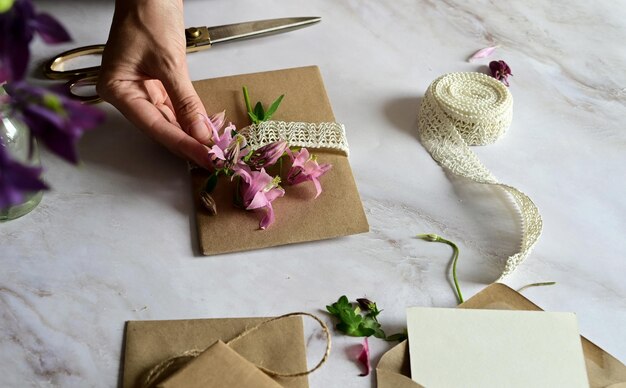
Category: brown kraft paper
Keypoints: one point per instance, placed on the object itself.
(219, 366)
(278, 345)
(603, 370)
(299, 217)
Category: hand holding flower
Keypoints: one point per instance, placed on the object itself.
(145, 76)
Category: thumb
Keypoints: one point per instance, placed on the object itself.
(187, 106)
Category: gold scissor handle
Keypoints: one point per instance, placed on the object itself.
(197, 39)
(50, 68)
(80, 81)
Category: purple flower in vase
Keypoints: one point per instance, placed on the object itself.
(267, 155)
(18, 25)
(500, 70)
(54, 119)
(257, 190)
(16, 180)
(305, 167)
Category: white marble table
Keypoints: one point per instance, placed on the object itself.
(114, 240)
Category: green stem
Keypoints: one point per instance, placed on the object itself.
(455, 258)
(246, 98)
(541, 284)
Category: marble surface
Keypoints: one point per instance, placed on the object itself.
(114, 240)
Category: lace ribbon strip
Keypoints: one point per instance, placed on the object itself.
(298, 134)
(462, 109)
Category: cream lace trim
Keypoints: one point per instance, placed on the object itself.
(298, 134)
(461, 109)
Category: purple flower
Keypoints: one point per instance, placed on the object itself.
(267, 155)
(305, 168)
(257, 190)
(54, 119)
(17, 28)
(16, 180)
(500, 71)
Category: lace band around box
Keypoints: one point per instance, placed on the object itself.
(298, 134)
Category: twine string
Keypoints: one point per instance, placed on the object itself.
(158, 371)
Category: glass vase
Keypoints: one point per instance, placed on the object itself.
(15, 137)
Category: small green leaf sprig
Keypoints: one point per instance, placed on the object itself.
(360, 319)
(259, 114)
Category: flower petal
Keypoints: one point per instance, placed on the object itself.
(259, 200)
(364, 358)
(482, 53)
(268, 219)
(50, 29)
(274, 193)
(17, 180)
(318, 187)
(58, 121)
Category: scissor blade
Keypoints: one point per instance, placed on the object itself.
(231, 32)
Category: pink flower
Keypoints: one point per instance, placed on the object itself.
(258, 189)
(216, 122)
(267, 155)
(483, 53)
(226, 151)
(304, 167)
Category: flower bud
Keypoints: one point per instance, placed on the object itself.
(208, 202)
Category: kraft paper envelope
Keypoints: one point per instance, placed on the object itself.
(278, 345)
(219, 366)
(299, 217)
(603, 370)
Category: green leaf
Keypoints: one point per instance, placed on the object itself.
(397, 337)
(373, 325)
(255, 120)
(272, 109)
(259, 111)
(211, 182)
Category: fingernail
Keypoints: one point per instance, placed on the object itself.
(200, 131)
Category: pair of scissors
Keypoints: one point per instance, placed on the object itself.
(198, 38)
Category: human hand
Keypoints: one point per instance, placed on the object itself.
(144, 75)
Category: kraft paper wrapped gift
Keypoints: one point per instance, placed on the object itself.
(603, 370)
(299, 217)
(278, 345)
(219, 366)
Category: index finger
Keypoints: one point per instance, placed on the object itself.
(147, 117)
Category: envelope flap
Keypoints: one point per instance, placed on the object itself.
(603, 370)
(396, 359)
(278, 346)
(387, 379)
(219, 366)
(393, 369)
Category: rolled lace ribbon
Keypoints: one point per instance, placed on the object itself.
(463, 109)
(327, 135)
